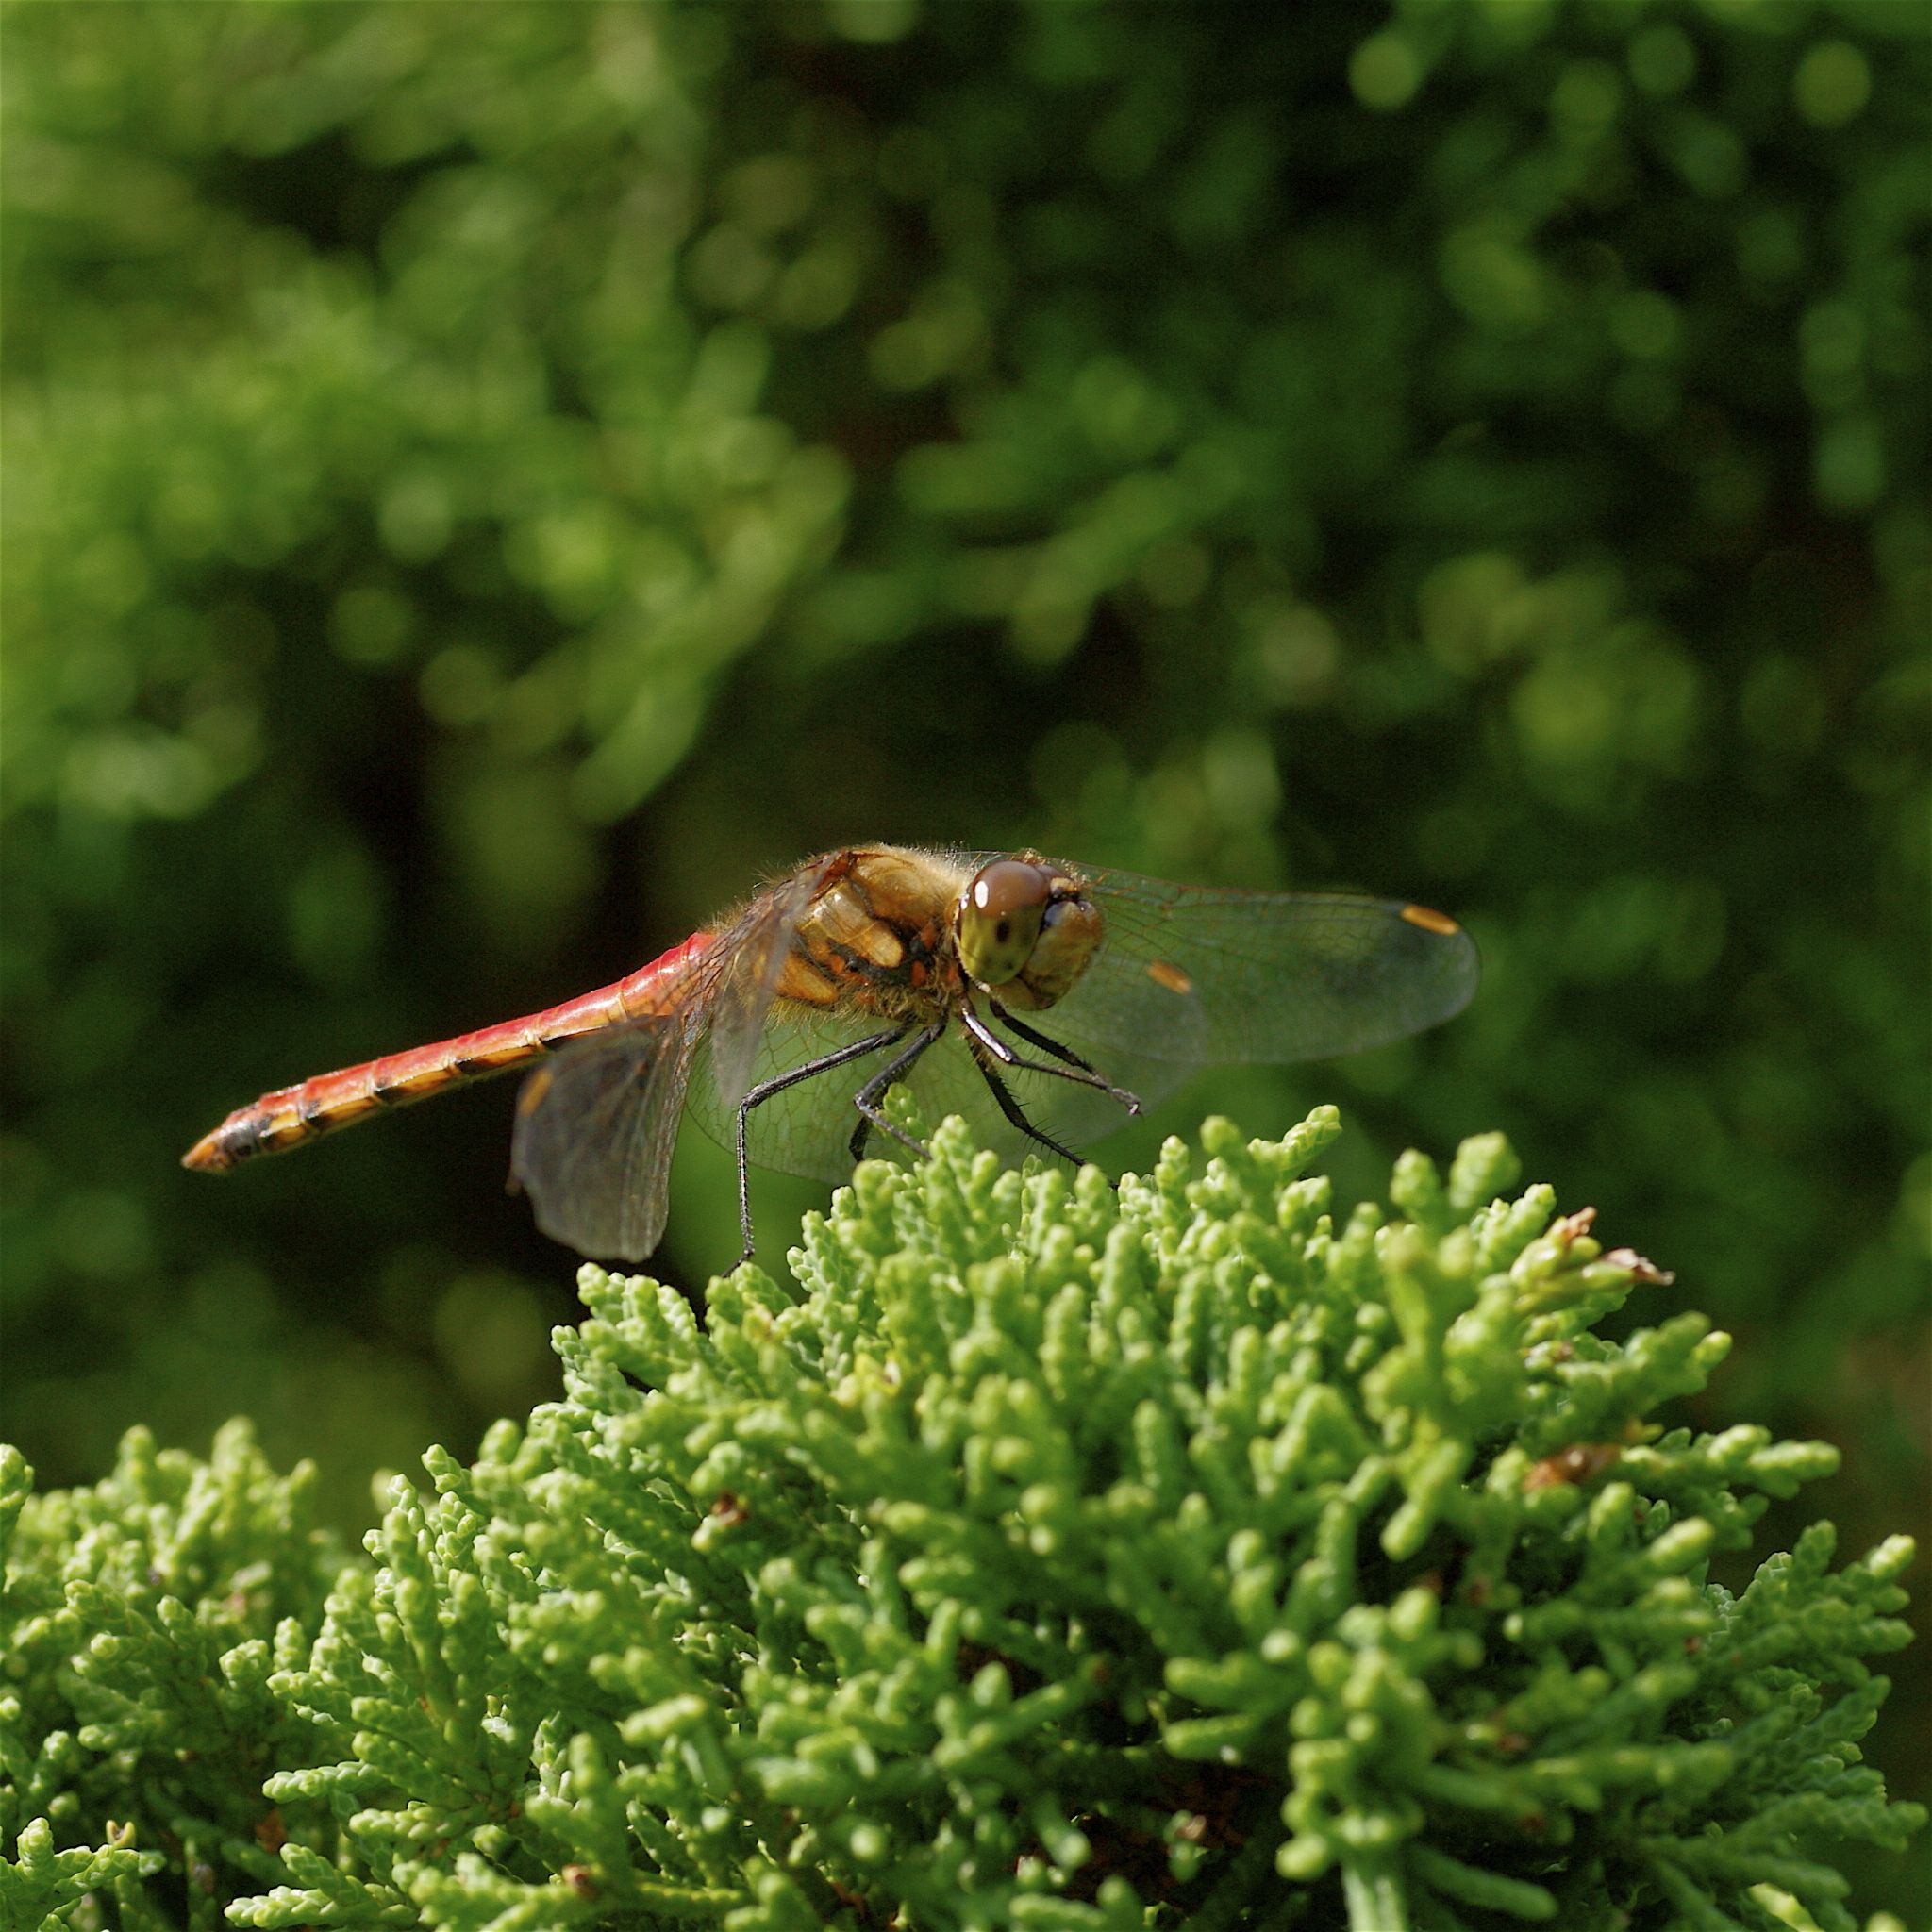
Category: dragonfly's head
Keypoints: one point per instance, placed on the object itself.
(1025, 931)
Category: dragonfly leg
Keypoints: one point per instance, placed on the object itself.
(1039, 1039)
(1075, 1069)
(1007, 1105)
(778, 1084)
(868, 1097)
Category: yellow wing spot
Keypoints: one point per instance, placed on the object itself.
(1430, 919)
(535, 1088)
(1165, 972)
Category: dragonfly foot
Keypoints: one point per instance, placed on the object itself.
(869, 1121)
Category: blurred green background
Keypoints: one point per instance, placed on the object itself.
(483, 485)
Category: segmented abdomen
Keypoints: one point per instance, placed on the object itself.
(292, 1116)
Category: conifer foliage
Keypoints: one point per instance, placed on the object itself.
(1044, 1554)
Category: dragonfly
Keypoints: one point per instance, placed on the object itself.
(1043, 1001)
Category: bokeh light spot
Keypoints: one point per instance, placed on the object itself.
(1385, 71)
(1833, 83)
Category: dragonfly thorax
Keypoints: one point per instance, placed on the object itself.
(1025, 932)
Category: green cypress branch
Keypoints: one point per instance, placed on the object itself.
(1043, 1554)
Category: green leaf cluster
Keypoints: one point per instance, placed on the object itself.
(1043, 1554)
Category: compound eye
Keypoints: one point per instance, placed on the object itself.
(999, 919)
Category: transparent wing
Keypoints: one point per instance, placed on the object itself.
(805, 1130)
(1185, 977)
(594, 1133)
(737, 978)
(597, 1126)
(808, 1128)
(948, 1082)
(1200, 976)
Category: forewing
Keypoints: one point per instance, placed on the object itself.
(947, 1080)
(737, 981)
(805, 1128)
(594, 1133)
(1202, 977)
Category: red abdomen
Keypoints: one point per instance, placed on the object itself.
(292, 1115)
